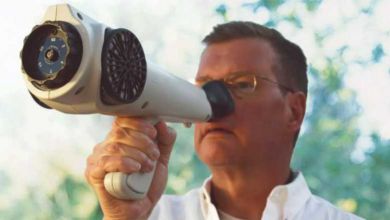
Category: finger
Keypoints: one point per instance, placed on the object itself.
(119, 149)
(137, 124)
(91, 160)
(94, 174)
(115, 163)
(134, 139)
(90, 164)
(166, 138)
(98, 148)
(166, 135)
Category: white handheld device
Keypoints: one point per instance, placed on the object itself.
(76, 65)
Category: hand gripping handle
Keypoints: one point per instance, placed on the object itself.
(130, 186)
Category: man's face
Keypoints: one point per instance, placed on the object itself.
(258, 131)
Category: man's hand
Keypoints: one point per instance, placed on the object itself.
(130, 147)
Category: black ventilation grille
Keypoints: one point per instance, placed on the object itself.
(123, 67)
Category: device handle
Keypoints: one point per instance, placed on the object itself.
(130, 186)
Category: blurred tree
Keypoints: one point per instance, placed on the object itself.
(372, 181)
(72, 200)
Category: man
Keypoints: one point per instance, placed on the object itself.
(247, 152)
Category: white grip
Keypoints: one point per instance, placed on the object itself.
(130, 186)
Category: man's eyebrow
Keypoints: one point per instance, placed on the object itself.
(207, 78)
(202, 78)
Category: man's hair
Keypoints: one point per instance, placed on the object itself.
(291, 69)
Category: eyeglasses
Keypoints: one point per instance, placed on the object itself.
(244, 83)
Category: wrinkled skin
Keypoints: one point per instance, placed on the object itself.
(130, 147)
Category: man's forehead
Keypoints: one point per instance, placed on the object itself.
(234, 56)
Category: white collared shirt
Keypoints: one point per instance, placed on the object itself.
(293, 201)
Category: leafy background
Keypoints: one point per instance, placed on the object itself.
(344, 147)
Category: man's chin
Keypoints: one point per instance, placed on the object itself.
(217, 151)
(217, 161)
(216, 142)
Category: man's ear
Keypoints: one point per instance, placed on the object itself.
(297, 104)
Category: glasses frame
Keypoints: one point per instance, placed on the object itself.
(257, 78)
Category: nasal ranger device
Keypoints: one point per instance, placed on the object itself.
(76, 65)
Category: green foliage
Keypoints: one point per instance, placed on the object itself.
(271, 5)
(377, 53)
(294, 19)
(72, 200)
(222, 11)
(374, 180)
(185, 169)
(312, 5)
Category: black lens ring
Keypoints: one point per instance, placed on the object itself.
(30, 54)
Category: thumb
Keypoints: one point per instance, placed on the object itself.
(165, 139)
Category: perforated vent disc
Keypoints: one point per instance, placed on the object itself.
(123, 67)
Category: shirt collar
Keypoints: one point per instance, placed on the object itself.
(284, 201)
(208, 209)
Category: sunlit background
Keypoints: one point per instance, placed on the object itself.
(344, 149)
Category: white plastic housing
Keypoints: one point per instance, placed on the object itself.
(164, 96)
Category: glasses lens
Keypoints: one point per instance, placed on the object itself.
(244, 84)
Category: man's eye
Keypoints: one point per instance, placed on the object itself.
(243, 85)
